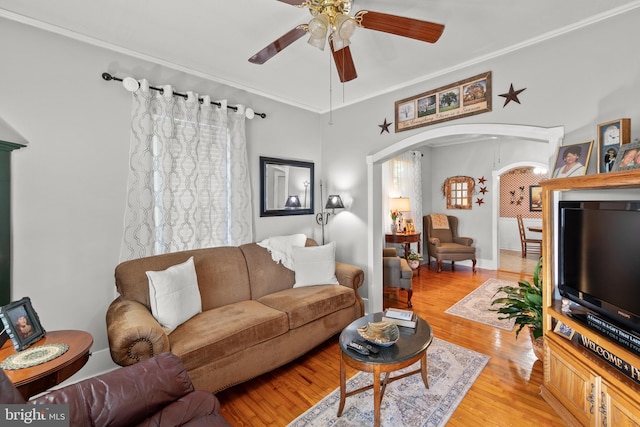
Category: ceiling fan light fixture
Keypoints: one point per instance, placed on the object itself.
(318, 26)
(317, 29)
(319, 43)
(345, 26)
(338, 43)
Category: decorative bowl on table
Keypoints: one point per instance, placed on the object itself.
(384, 334)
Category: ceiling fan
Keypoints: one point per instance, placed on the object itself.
(331, 17)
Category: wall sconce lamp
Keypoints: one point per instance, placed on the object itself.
(333, 202)
(292, 202)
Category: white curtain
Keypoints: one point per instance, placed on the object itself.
(188, 183)
(402, 177)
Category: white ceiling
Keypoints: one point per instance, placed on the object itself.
(214, 39)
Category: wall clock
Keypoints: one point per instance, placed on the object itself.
(610, 136)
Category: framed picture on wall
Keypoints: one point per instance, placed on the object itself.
(572, 160)
(535, 198)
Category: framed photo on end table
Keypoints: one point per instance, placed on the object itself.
(20, 321)
(611, 135)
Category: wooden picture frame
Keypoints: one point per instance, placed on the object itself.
(628, 157)
(460, 99)
(611, 135)
(577, 155)
(535, 198)
(564, 330)
(21, 323)
(411, 228)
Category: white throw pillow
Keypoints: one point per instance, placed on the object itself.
(174, 294)
(315, 265)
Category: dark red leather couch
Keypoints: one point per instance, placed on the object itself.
(155, 392)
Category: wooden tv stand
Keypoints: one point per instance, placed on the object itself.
(580, 386)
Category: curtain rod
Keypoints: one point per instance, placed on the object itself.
(109, 77)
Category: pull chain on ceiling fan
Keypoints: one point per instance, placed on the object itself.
(331, 20)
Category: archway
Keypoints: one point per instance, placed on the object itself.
(496, 204)
(552, 136)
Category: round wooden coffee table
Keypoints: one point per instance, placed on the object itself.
(39, 378)
(410, 348)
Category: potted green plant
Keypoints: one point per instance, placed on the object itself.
(414, 259)
(524, 304)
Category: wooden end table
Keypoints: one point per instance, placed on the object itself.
(410, 348)
(39, 378)
(404, 238)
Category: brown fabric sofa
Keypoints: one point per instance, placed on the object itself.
(156, 392)
(252, 319)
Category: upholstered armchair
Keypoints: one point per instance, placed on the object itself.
(155, 392)
(396, 272)
(443, 242)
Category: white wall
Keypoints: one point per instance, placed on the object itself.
(69, 184)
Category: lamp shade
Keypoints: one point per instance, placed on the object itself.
(334, 202)
(400, 204)
(292, 202)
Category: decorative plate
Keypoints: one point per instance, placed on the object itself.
(34, 356)
(384, 334)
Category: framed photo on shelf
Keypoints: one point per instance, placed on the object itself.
(564, 330)
(628, 157)
(572, 160)
(535, 198)
(20, 321)
(611, 135)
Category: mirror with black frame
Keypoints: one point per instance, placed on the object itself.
(286, 187)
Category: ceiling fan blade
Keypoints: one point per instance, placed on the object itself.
(406, 27)
(344, 63)
(293, 2)
(272, 49)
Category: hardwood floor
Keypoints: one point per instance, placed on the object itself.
(505, 394)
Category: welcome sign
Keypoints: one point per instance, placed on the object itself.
(617, 362)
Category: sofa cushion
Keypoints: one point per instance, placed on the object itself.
(174, 294)
(315, 265)
(306, 304)
(223, 331)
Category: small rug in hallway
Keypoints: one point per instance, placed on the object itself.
(475, 306)
(451, 371)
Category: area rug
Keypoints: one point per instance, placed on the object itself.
(475, 306)
(451, 370)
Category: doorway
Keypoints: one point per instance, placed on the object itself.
(375, 222)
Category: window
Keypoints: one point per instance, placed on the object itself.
(459, 192)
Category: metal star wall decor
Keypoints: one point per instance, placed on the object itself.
(483, 190)
(512, 95)
(482, 180)
(479, 201)
(385, 126)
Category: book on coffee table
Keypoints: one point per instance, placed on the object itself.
(400, 317)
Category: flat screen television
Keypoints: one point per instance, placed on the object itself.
(599, 258)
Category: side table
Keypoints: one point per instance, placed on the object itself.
(405, 239)
(410, 348)
(39, 378)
